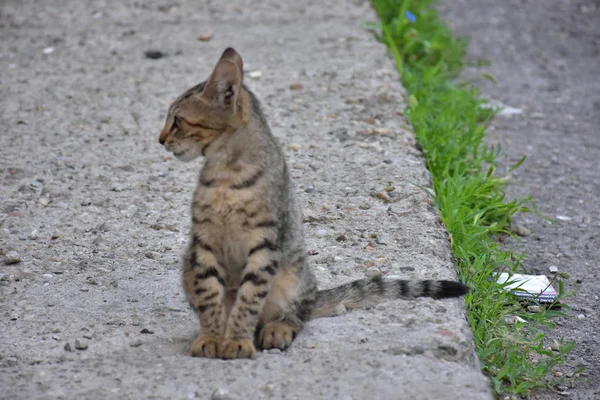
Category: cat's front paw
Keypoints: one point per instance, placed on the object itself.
(276, 335)
(206, 346)
(236, 348)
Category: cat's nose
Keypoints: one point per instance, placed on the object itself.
(161, 141)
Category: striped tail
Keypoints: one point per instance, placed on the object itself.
(371, 291)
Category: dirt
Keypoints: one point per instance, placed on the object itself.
(545, 56)
(94, 214)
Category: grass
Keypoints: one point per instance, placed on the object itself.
(449, 122)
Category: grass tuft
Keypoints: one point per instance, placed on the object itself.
(449, 121)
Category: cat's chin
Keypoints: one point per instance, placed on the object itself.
(188, 155)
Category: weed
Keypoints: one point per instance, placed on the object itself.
(449, 121)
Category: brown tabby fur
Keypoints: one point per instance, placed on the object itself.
(245, 272)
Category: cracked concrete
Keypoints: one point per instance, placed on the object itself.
(94, 213)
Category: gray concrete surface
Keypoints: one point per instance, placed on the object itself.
(546, 58)
(94, 213)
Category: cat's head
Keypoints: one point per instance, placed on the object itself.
(206, 111)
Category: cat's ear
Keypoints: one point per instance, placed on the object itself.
(224, 85)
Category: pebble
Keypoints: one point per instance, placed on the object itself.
(81, 344)
(147, 331)
(563, 218)
(555, 346)
(12, 257)
(321, 233)
(154, 54)
(296, 86)
(387, 161)
(310, 190)
(68, 347)
(383, 196)
(522, 231)
(269, 387)
(136, 343)
(558, 374)
(48, 50)
(34, 235)
(220, 394)
(381, 240)
(86, 202)
(373, 193)
(43, 201)
(150, 255)
(337, 259)
(341, 238)
(372, 272)
(553, 269)
(533, 309)
(254, 74)
(293, 146)
(393, 194)
(205, 37)
(581, 317)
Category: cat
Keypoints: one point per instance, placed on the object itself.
(245, 272)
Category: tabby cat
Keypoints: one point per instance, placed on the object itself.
(245, 272)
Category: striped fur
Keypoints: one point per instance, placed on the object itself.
(245, 272)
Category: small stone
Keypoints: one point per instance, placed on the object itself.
(555, 346)
(393, 194)
(220, 394)
(34, 235)
(364, 206)
(150, 255)
(381, 240)
(310, 190)
(581, 317)
(11, 258)
(104, 227)
(54, 235)
(563, 218)
(341, 238)
(48, 50)
(86, 202)
(337, 259)
(373, 193)
(43, 201)
(81, 344)
(269, 387)
(68, 347)
(99, 240)
(522, 231)
(136, 343)
(381, 131)
(293, 146)
(372, 272)
(553, 269)
(296, 86)
(383, 196)
(274, 351)
(147, 331)
(558, 374)
(154, 54)
(387, 161)
(418, 349)
(254, 74)
(205, 37)
(533, 309)
(321, 233)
